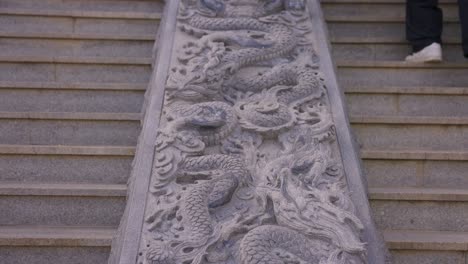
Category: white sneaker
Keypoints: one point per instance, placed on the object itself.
(431, 53)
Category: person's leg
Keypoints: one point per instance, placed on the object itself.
(463, 4)
(423, 23)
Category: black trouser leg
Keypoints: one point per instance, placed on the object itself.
(463, 4)
(423, 23)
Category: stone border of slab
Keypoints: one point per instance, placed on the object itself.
(377, 251)
(125, 245)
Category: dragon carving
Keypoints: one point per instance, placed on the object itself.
(246, 168)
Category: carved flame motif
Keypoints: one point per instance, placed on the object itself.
(247, 169)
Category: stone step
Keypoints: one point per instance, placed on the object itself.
(76, 60)
(377, 12)
(420, 209)
(81, 25)
(46, 244)
(19, 47)
(128, 6)
(403, 168)
(388, 51)
(377, 1)
(63, 189)
(23, 128)
(74, 13)
(68, 97)
(420, 90)
(58, 72)
(425, 247)
(426, 240)
(436, 102)
(408, 120)
(78, 36)
(65, 164)
(418, 194)
(382, 32)
(61, 205)
(98, 86)
(412, 133)
(395, 73)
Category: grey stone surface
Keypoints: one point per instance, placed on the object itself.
(383, 30)
(248, 159)
(428, 257)
(48, 72)
(407, 105)
(41, 255)
(61, 211)
(87, 5)
(61, 47)
(374, 76)
(386, 52)
(71, 169)
(126, 245)
(421, 215)
(386, 173)
(42, 24)
(56, 100)
(393, 11)
(69, 132)
(431, 174)
(407, 136)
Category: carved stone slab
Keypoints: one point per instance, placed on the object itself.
(247, 167)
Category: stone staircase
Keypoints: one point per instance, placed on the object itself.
(411, 122)
(73, 74)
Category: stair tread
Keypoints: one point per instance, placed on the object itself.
(62, 189)
(426, 240)
(414, 120)
(384, 40)
(77, 59)
(398, 64)
(92, 36)
(406, 90)
(376, 1)
(73, 85)
(374, 18)
(56, 236)
(80, 13)
(71, 116)
(67, 150)
(412, 154)
(418, 194)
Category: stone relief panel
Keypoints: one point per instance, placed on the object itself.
(247, 166)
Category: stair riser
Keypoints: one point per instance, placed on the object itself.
(381, 11)
(61, 211)
(407, 105)
(60, 132)
(65, 169)
(407, 136)
(87, 5)
(400, 77)
(49, 72)
(71, 48)
(363, 30)
(417, 173)
(69, 255)
(41, 24)
(53, 100)
(386, 52)
(428, 257)
(421, 215)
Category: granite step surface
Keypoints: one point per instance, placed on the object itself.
(73, 75)
(410, 120)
